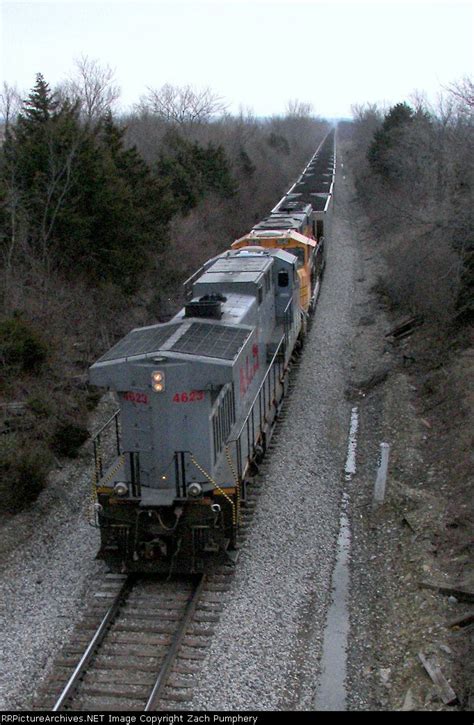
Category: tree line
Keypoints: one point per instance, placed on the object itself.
(75, 198)
(414, 170)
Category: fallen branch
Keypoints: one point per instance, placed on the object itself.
(463, 620)
(460, 592)
(406, 327)
(447, 693)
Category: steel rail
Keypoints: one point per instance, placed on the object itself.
(177, 639)
(93, 644)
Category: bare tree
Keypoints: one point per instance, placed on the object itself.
(463, 91)
(299, 109)
(59, 182)
(182, 104)
(10, 104)
(93, 85)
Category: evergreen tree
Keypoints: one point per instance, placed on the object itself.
(92, 206)
(191, 170)
(40, 104)
(129, 207)
(381, 154)
(43, 148)
(89, 205)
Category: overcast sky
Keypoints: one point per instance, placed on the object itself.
(257, 54)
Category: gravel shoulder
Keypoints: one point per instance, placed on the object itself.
(47, 571)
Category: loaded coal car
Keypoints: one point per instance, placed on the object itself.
(315, 187)
(198, 396)
(301, 221)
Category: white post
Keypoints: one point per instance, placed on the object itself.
(381, 480)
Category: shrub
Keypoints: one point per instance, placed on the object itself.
(93, 396)
(68, 437)
(40, 405)
(21, 346)
(24, 466)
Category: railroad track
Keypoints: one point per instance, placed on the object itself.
(140, 651)
(142, 640)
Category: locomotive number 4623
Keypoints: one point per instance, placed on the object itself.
(188, 397)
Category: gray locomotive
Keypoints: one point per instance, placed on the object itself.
(198, 399)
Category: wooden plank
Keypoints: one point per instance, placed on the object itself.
(462, 620)
(404, 326)
(460, 592)
(446, 692)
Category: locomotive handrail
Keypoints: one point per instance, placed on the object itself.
(106, 424)
(249, 424)
(97, 439)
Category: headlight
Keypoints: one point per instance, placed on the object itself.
(121, 488)
(158, 381)
(194, 490)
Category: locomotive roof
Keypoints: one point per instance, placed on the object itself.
(236, 268)
(203, 339)
(280, 221)
(291, 205)
(289, 235)
(241, 263)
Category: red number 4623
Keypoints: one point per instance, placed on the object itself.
(192, 397)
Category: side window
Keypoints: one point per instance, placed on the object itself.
(260, 295)
(283, 278)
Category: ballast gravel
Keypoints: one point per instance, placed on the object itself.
(266, 650)
(47, 571)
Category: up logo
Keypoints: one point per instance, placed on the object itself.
(248, 370)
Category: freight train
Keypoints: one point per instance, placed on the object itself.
(199, 395)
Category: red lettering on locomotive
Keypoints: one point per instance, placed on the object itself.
(248, 370)
(136, 397)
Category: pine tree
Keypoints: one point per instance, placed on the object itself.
(129, 208)
(381, 154)
(191, 171)
(40, 104)
(90, 205)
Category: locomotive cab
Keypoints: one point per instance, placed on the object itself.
(308, 253)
